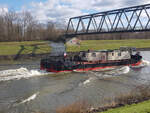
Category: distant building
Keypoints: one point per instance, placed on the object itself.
(73, 41)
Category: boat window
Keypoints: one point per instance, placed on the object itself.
(93, 54)
(84, 55)
(119, 54)
(112, 54)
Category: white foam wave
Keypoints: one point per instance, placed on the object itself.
(88, 80)
(115, 72)
(32, 97)
(119, 71)
(143, 64)
(105, 74)
(22, 72)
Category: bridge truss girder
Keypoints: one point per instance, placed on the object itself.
(131, 19)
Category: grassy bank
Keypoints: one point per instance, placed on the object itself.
(135, 101)
(109, 44)
(25, 47)
(78, 107)
(143, 107)
(38, 47)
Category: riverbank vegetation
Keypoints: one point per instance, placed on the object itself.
(136, 101)
(143, 107)
(23, 26)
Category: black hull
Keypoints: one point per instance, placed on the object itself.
(62, 65)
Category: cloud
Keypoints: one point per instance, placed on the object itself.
(135, 2)
(64, 9)
(3, 9)
(52, 10)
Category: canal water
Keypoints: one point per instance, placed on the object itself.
(24, 88)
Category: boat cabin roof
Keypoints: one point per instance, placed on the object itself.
(111, 50)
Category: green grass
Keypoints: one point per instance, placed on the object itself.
(143, 107)
(109, 44)
(12, 48)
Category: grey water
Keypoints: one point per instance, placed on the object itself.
(25, 89)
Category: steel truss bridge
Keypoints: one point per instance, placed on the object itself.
(131, 19)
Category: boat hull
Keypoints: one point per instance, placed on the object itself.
(88, 66)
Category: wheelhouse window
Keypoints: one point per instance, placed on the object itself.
(119, 54)
(112, 54)
(84, 55)
(93, 54)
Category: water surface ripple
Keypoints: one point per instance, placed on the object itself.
(24, 88)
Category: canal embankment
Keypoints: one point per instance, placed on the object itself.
(40, 49)
(135, 101)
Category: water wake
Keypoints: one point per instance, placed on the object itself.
(89, 80)
(143, 64)
(115, 72)
(105, 74)
(30, 98)
(22, 72)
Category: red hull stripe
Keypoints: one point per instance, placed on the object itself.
(88, 69)
(95, 68)
(137, 64)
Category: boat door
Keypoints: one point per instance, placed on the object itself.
(103, 57)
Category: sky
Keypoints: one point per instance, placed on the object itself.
(55, 10)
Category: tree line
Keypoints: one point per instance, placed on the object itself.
(24, 27)
(117, 36)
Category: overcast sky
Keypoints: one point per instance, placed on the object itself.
(44, 10)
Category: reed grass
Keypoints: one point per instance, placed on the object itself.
(136, 101)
